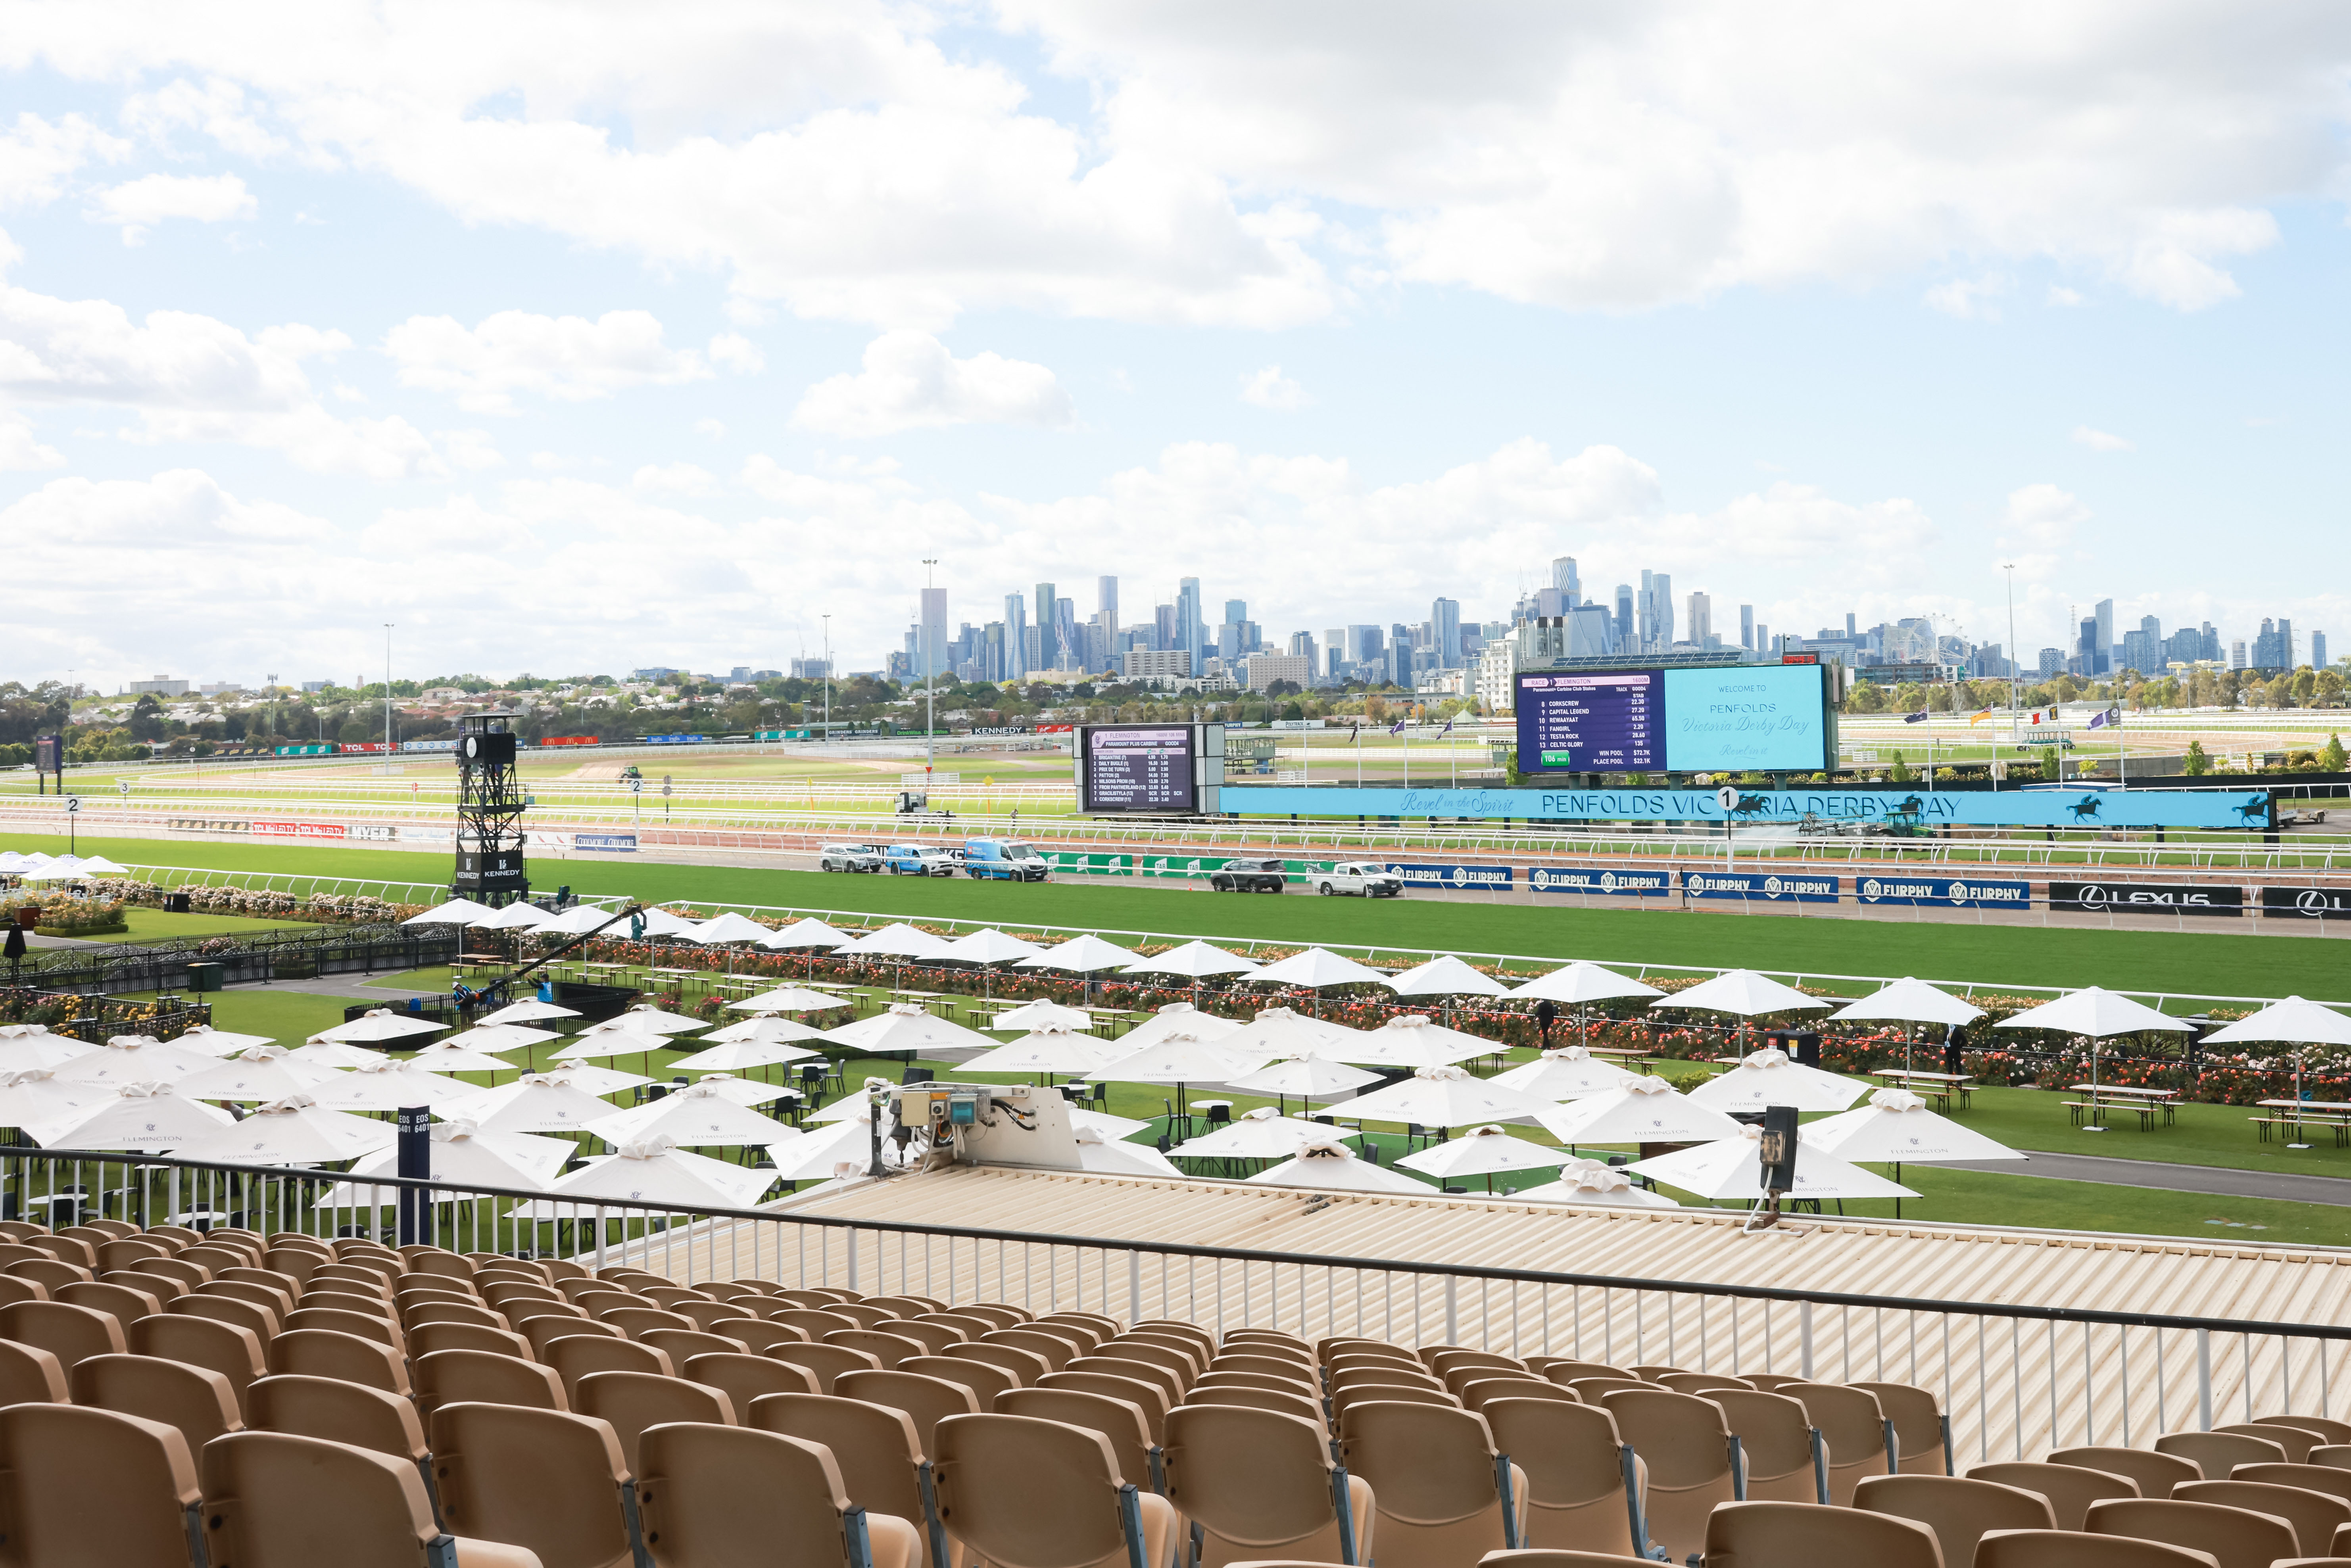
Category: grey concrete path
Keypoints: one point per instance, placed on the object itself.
(2221, 1181)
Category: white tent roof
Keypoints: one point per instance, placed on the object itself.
(1340, 1169)
(1744, 992)
(661, 922)
(34, 1097)
(1907, 1000)
(1411, 1041)
(743, 1090)
(895, 940)
(1284, 1032)
(132, 1059)
(657, 1171)
(1307, 1077)
(1317, 969)
(1445, 1097)
(2290, 1022)
(646, 1018)
(451, 1056)
(1258, 1135)
(463, 1155)
(905, 1027)
(1897, 1127)
(1081, 955)
(25, 1046)
(1042, 1013)
(1175, 1019)
(1589, 1184)
(577, 921)
(989, 947)
(591, 1079)
(1766, 1077)
(809, 933)
(1445, 977)
(788, 1000)
(148, 1117)
(694, 1117)
(1194, 960)
(735, 1055)
(1180, 1059)
(513, 917)
(535, 1102)
(1582, 982)
(1645, 1111)
(2093, 1012)
(1570, 1072)
(528, 1011)
(1486, 1151)
(292, 1132)
(325, 1053)
(729, 926)
(391, 1085)
(1729, 1167)
(98, 865)
(206, 1040)
(264, 1072)
(1046, 1051)
(380, 1023)
(765, 1029)
(1113, 1157)
(817, 1155)
(455, 911)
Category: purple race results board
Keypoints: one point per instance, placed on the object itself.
(1602, 721)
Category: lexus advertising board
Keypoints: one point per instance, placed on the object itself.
(2148, 898)
(2306, 902)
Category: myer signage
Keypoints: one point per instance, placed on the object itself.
(1951, 892)
(2006, 807)
(1493, 877)
(2146, 898)
(1621, 883)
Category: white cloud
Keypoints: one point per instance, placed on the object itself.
(567, 358)
(90, 351)
(138, 206)
(217, 109)
(1969, 298)
(182, 506)
(2100, 440)
(2064, 298)
(2038, 526)
(714, 428)
(38, 156)
(473, 450)
(911, 381)
(1269, 388)
(309, 437)
(732, 351)
(20, 449)
(676, 479)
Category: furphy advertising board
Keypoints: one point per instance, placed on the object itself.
(1491, 878)
(1724, 718)
(1949, 892)
(1617, 883)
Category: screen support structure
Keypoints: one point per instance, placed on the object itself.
(490, 806)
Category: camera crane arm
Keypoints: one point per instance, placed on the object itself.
(496, 990)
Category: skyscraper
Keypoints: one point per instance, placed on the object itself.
(1016, 637)
(1624, 617)
(1069, 645)
(1445, 621)
(1562, 577)
(2106, 649)
(2318, 650)
(1701, 618)
(1191, 633)
(1747, 633)
(1049, 646)
(1106, 606)
(932, 657)
(1656, 612)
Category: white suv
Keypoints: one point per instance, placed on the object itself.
(1357, 877)
(849, 857)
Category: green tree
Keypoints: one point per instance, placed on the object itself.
(2197, 762)
(2332, 760)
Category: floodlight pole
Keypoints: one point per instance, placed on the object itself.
(930, 704)
(387, 686)
(827, 675)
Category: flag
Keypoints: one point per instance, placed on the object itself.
(1981, 716)
(1918, 717)
(1396, 728)
(1440, 733)
(2100, 720)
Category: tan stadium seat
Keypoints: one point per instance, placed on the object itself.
(1345, 1399)
(66, 1249)
(2235, 1537)
(630, 1402)
(440, 1264)
(340, 1412)
(1550, 1557)
(707, 1314)
(904, 1306)
(163, 1286)
(1853, 1425)
(51, 1272)
(415, 1314)
(351, 1302)
(1329, 1352)
(16, 1288)
(200, 1403)
(667, 1297)
(1772, 1382)
(179, 1269)
(680, 1344)
(1440, 1490)
(228, 1349)
(367, 1325)
(863, 1314)
(1023, 1493)
(1958, 1510)
(926, 1401)
(877, 1449)
(122, 1253)
(259, 1321)
(2326, 1428)
(324, 1353)
(635, 1321)
(2315, 1516)
(1057, 1351)
(1592, 1390)
(543, 1331)
(1920, 1429)
(1256, 1399)
(814, 1321)
(1275, 1367)
(1347, 1374)
(574, 1359)
(1003, 1314)
(1806, 1535)
(889, 1348)
(1025, 1364)
(1443, 1359)
(2156, 1473)
(486, 1377)
(967, 1324)
(742, 1377)
(2296, 1441)
(90, 1489)
(1476, 1391)
(2070, 1488)
(426, 1338)
(1105, 1326)
(933, 1337)
(826, 1361)
(1586, 1486)
(2217, 1453)
(757, 1335)
(1151, 1398)
(274, 1499)
(68, 1331)
(2325, 1478)
(2066, 1549)
(216, 1258)
(549, 1481)
(1692, 1459)
(1305, 1388)
(1286, 1344)
(1786, 1460)
(31, 1375)
(716, 1496)
(985, 1379)
(1119, 1420)
(502, 1292)
(1260, 1484)
(1652, 1370)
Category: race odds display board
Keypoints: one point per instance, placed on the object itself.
(1727, 718)
(1139, 768)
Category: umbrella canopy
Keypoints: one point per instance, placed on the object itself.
(1258, 1135)
(1445, 1097)
(292, 1132)
(737, 1055)
(98, 865)
(743, 1090)
(264, 1072)
(1283, 1031)
(331, 1053)
(1180, 1059)
(1317, 969)
(32, 1097)
(2290, 1022)
(2093, 1012)
(1307, 1077)
(389, 1086)
(1194, 960)
(1589, 1184)
(1768, 1077)
(463, 1155)
(1445, 977)
(148, 1117)
(1174, 1018)
(1582, 982)
(131, 1059)
(905, 1027)
(647, 1018)
(989, 947)
(513, 917)
(1907, 1000)
(852, 1107)
(25, 1046)
(765, 1029)
(530, 1011)
(1570, 1072)
(379, 1024)
(1410, 1041)
(1487, 1151)
(1047, 1050)
(456, 911)
(1744, 992)
(727, 927)
(218, 1043)
(1731, 1167)
(1111, 1156)
(589, 1078)
(65, 868)
(490, 1039)
(591, 1045)
(1340, 1169)
(661, 922)
(1081, 955)
(811, 932)
(1895, 1127)
(1109, 1126)
(842, 1148)
(1645, 1111)
(657, 1171)
(577, 921)
(535, 1102)
(1040, 1014)
(786, 999)
(895, 940)
(692, 1117)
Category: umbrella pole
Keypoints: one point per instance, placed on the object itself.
(2297, 1101)
(2094, 1125)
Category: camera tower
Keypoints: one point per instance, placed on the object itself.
(489, 812)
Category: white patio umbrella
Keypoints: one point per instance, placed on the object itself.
(661, 922)
(455, 911)
(1907, 1000)
(1194, 960)
(1411, 1041)
(1731, 1167)
(744, 1091)
(292, 1132)
(33, 1096)
(1284, 1032)
(1445, 977)
(729, 926)
(989, 947)
(513, 917)
(1307, 1077)
(895, 940)
(1340, 1169)
(1175, 1019)
(1483, 1151)
(597, 1045)
(378, 1024)
(647, 1018)
(1445, 1097)
(1770, 1077)
(218, 1043)
(1590, 1184)
(27, 1046)
(1115, 1156)
(1042, 1013)
(131, 1059)
(811, 932)
(1258, 1135)
(905, 1027)
(823, 1154)
(1745, 994)
(786, 999)
(1046, 1051)
(1645, 1111)
(2290, 1022)
(98, 865)
(535, 1102)
(1571, 1072)
(694, 1117)
(765, 1029)
(591, 1079)
(329, 1053)
(736, 1055)
(2094, 1014)
(472, 1051)
(1896, 1128)
(1317, 969)
(1582, 984)
(389, 1086)
(656, 1170)
(148, 1117)
(1179, 1060)
(1108, 1125)
(528, 1010)
(264, 1072)
(1080, 955)
(462, 1156)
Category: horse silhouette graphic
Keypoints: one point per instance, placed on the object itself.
(2085, 809)
(2256, 810)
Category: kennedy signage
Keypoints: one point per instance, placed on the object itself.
(1770, 886)
(1950, 892)
(1623, 883)
(2148, 898)
(2306, 902)
(1495, 878)
(2091, 809)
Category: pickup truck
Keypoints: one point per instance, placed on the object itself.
(1003, 860)
(1359, 878)
(918, 859)
(849, 857)
(1247, 876)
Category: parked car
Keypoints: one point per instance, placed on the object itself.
(849, 857)
(1247, 876)
(1361, 878)
(1003, 860)
(919, 859)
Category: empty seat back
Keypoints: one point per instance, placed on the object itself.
(1435, 1482)
(1796, 1534)
(985, 1379)
(2070, 1488)
(2217, 1453)
(2296, 1441)
(31, 1375)
(1024, 1493)
(90, 1489)
(1258, 1484)
(481, 1376)
(2235, 1537)
(549, 1481)
(633, 1401)
(1692, 1460)
(720, 1495)
(2068, 1549)
(742, 1377)
(1585, 1487)
(273, 1499)
(1786, 1460)
(1149, 1397)
(232, 1350)
(2315, 1516)
(827, 1360)
(926, 1401)
(1122, 1422)
(1854, 1426)
(69, 1332)
(1920, 1430)
(337, 1412)
(1958, 1510)
(2328, 1479)
(1258, 1399)
(327, 1352)
(880, 1457)
(196, 1400)
(2156, 1473)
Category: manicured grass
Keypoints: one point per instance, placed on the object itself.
(159, 925)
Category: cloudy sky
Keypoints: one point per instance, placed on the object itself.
(580, 337)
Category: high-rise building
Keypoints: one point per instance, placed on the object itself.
(1747, 635)
(2086, 656)
(2274, 648)
(1562, 577)
(2106, 646)
(2318, 650)
(992, 651)
(1047, 617)
(2237, 654)
(1106, 604)
(1191, 631)
(1624, 615)
(1851, 630)
(1701, 618)
(2052, 663)
(1016, 637)
(1444, 624)
(1656, 612)
(1069, 645)
(1236, 611)
(2142, 651)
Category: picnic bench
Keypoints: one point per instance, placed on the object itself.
(2293, 1114)
(2100, 1098)
(1936, 1086)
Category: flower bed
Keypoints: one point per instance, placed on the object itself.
(67, 915)
(325, 908)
